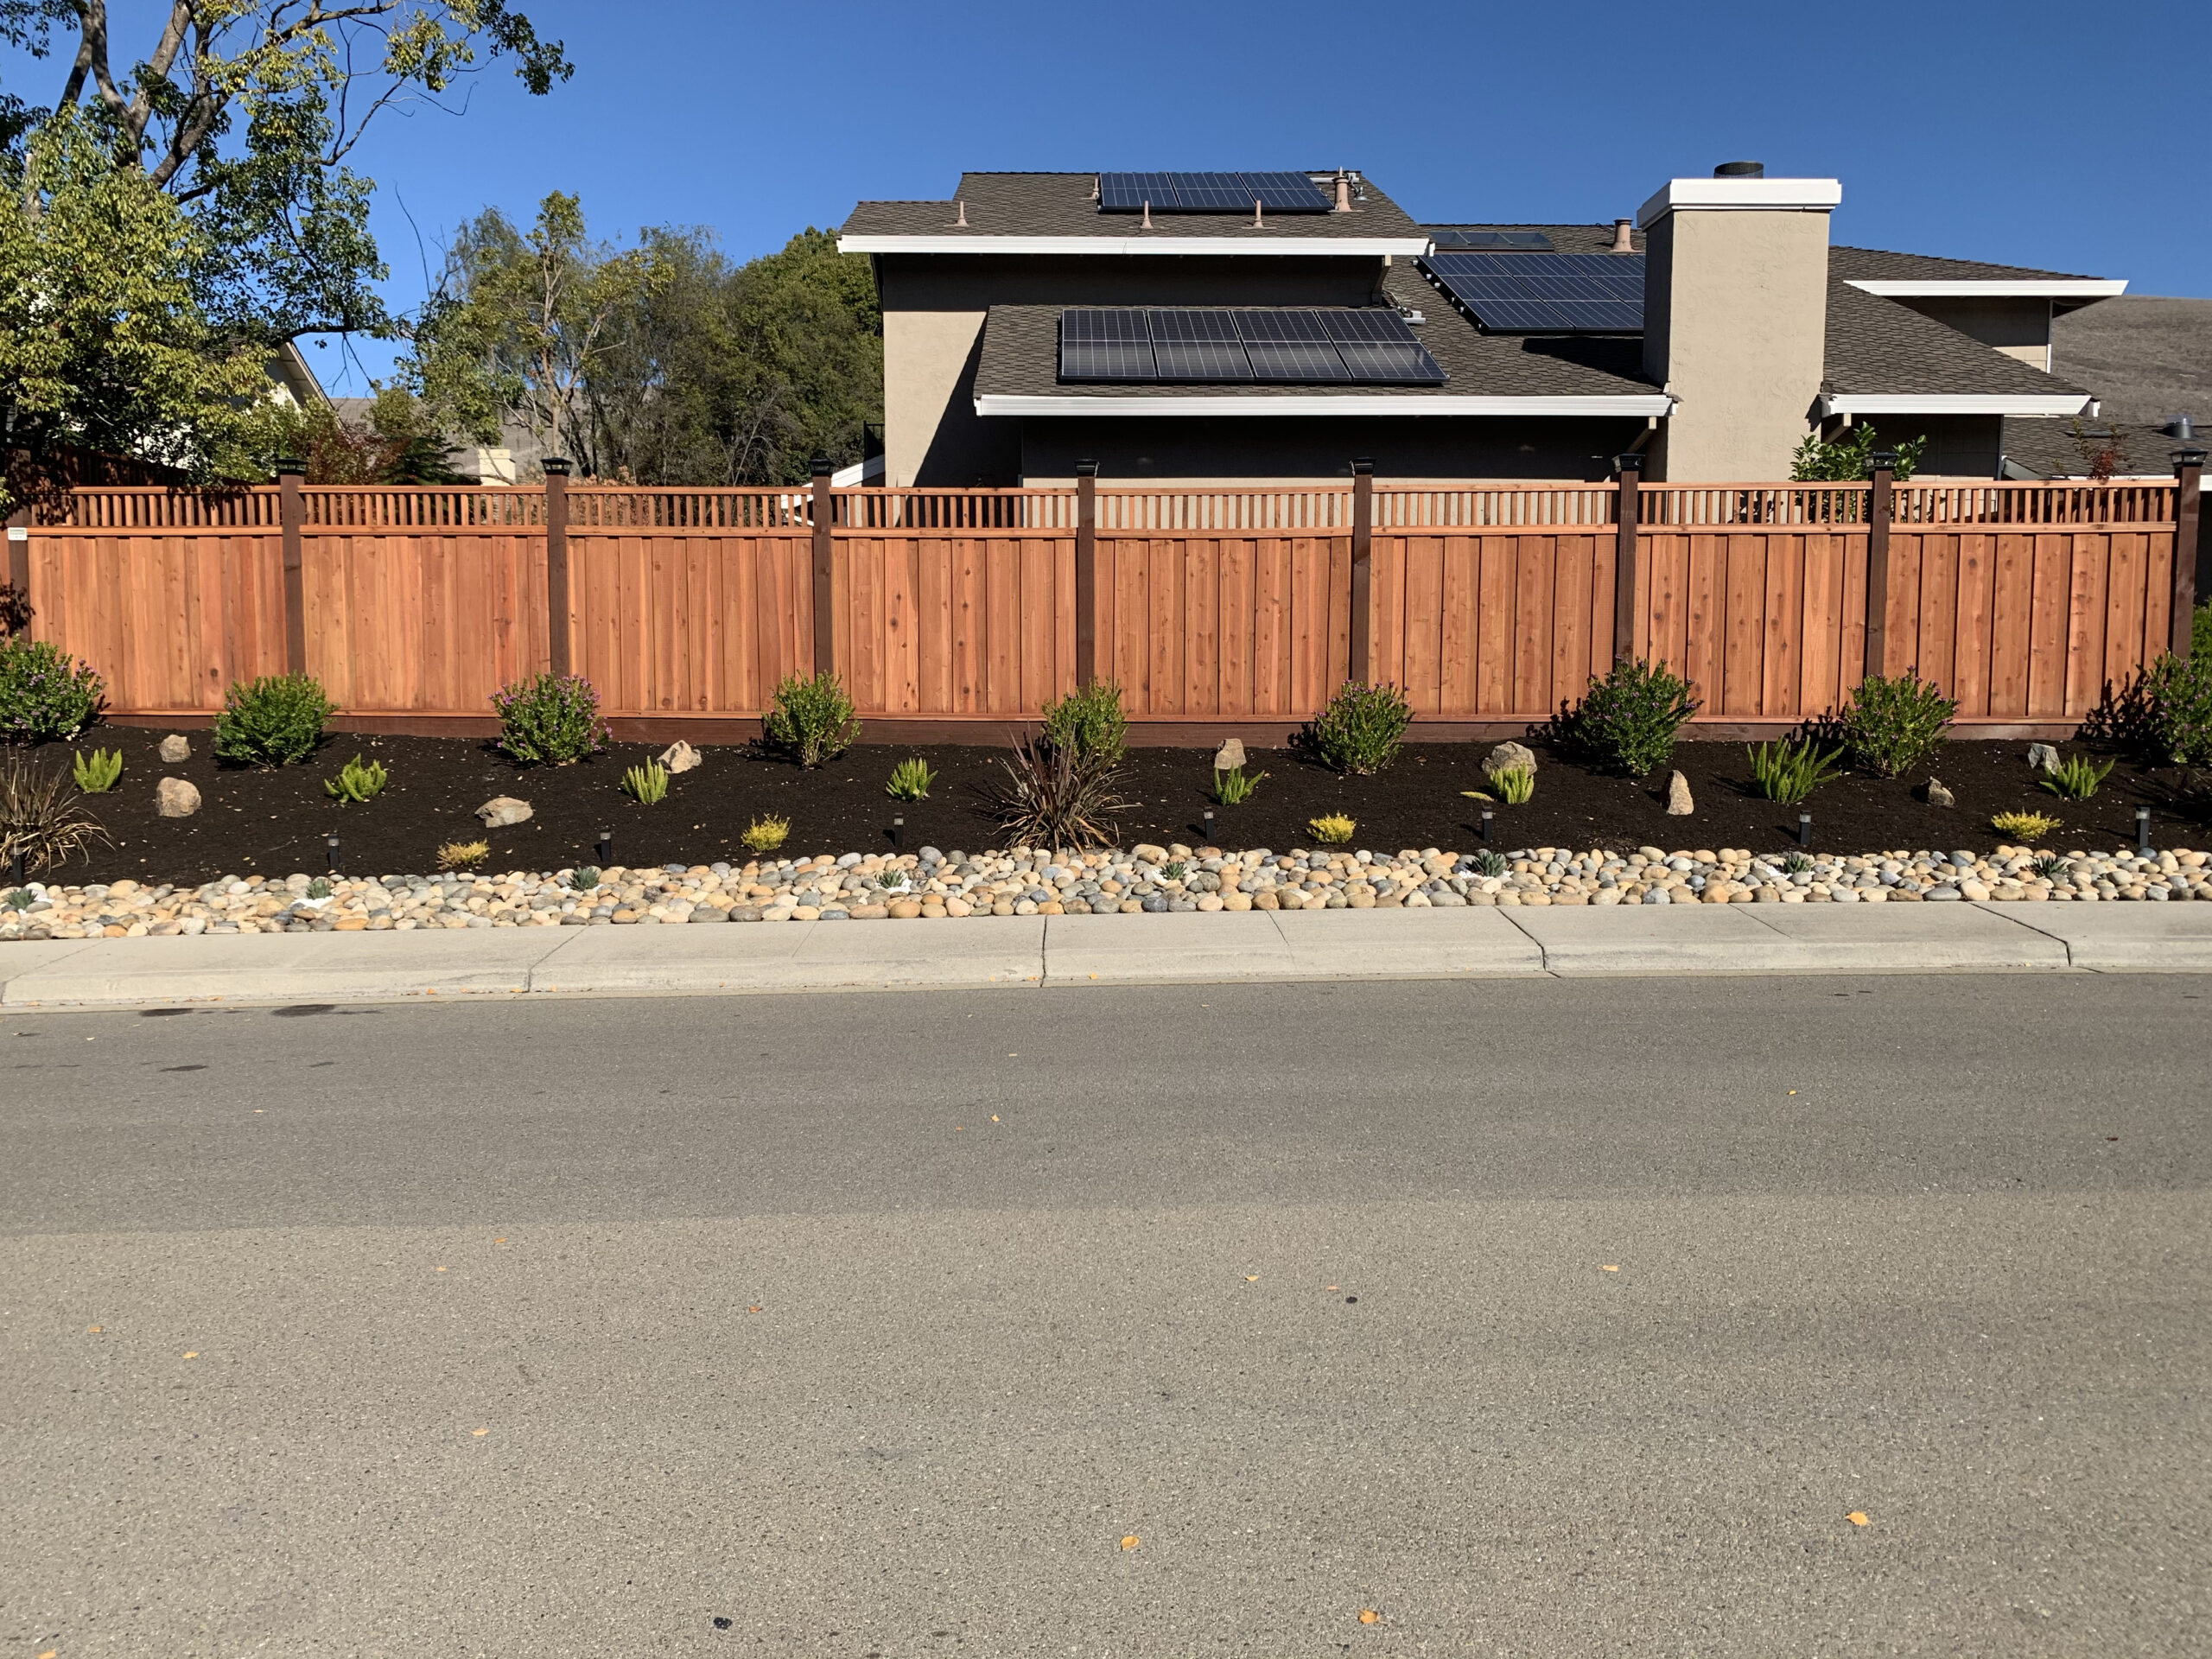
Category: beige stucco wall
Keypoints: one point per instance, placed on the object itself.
(928, 357)
(1736, 326)
(2018, 327)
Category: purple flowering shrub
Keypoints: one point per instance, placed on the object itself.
(46, 694)
(550, 720)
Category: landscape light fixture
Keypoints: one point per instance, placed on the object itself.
(1487, 816)
(899, 832)
(606, 848)
(1209, 821)
(2142, 829)
(331, 844)
(1804, 829)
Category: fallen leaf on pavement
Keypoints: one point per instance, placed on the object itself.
(1131, 1541)
(480, 1433)
(755, 1308)
(95, 1329)
(1368, 1616)
(994, 1117)
(1252, 1278)
(1609, 1267)
(193, 1354)
(1858, 1518)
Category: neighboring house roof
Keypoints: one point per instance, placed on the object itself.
(1883, 357)
(1565, 238)
(1486, 374)
(1054, 213)
(2149, 357)
(2048, 448)
(1877, 264)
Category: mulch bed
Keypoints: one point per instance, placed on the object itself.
(274, 823)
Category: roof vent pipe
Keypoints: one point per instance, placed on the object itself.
(1622, 241)
(1740, 170)
(2183, 427)
(961, 222)
(1343, 192)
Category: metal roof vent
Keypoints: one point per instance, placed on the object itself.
(1740, 170)
(2183, 427)
(1624, 240)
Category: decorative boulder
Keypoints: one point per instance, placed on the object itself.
(176, 798)
(680, 757)
(1230, 756)
(174, 749)
(1679, 803)
(1939, 795)
(1511, 757)
(502, 811)
(2043, 757)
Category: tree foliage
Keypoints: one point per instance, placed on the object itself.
(398, 442)
(663, 363)
(1849, 459)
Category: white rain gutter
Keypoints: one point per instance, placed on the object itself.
(1306, 247)
(1908, 403)
(1638, 403)
(2055, 287)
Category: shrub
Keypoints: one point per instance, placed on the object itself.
(1360, 730)
(1796, 864)
(2179, 698)
(1089, 722)
(1235, 786)
(1058, 795)
(1332, 831)
(550, 720)
(1850, 458)
(46, 696)
(812, 721)
(1508, 785)
(647, 784)
(1627, 721)
(1894, 724)
(460, 855)
(765, 835)
(96, 773)
(1494, 866)
(273, 721)
(2026, 826)
(2075, 777)
(40, 822)
(1787, 772)
(910, 780)
(583, 878)
(356, 782)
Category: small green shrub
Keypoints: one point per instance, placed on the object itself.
(356, 782)
(273, 721)
(583, 878)
(1362, 728)
(97, 772)
(893, 880)
(765, 835)
(1850, 458)
(2179, 695)
(2025, 826)
(1509, 786)
(1788, 772)
(812, 721)
(1796, 864)
(910, 780)
(647, 784)
(46, 694)
(1494, 866)
(1333, 830)
(1089, 722)
(463, 854)
(1895, 724)
(550, 720)
(1235, 786)
(2076, 777)
(1628, 721)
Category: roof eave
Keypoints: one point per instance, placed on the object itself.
(2063, 288)
(1923, 403)
(1337, 247)
(1213, 406)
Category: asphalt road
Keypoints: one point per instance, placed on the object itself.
(1533, 1317)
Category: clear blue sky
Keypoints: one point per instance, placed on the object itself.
(2061, 136)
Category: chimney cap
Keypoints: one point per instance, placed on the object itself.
(1740, 170)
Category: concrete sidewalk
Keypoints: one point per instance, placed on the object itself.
(1036, 951)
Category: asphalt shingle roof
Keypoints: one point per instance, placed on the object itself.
(2048, 449)
(1876, 345)
(1565, 238)
(1059, 204)
(1876, 266)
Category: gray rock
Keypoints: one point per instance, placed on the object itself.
(503, 810)
(1230, 756)
(174, 749)
(708, 913)
(1939, 795)
(680, 756)
(2043, 757)
(1679, 803)
(1510, 757)
(176, 798)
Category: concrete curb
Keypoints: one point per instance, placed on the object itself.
(1038, 951)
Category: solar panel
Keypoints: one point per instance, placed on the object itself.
(1105, 346)
(1526, 241)
(1378, 348)
(1545, 293)
(1209, 193)
(1195, 345)
(1370, 346)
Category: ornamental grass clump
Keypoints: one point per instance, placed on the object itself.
(2076, 777)
(550, 720)
(98, 772)
(1089, 722)
(463, 854)
(812, 721)
(1058, 795)
(1361, 729)
(1895, 724)
(1788, 772)
(46, 694)
(273, 721)
(41, 822)
(1628, 721)
(356, 782)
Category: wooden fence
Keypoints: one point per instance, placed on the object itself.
(1491, 604)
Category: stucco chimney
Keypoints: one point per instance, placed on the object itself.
(1735, 317)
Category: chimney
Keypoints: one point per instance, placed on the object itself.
(1343, 192)
(1622, 241)
(1735, 317)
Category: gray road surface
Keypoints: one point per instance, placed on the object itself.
(1534, 1318)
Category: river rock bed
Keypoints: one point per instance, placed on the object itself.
(933, 885)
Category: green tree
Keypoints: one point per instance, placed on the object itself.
(398, 442)
(1849, 459)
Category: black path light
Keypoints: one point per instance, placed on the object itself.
(1804, 829)
(2142, 829)
(1209, 823)
(330, 848)
(899, 832)
(1487, 816)
(606, 848)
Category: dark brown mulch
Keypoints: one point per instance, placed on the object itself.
(274, 823)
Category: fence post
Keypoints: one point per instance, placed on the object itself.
(1627, 550)
(2189, 503)
(1086, 573)
(19, 569)
(291, 516)
(1877, 561)
(825, 620)
(559, 615)
(1363, 568)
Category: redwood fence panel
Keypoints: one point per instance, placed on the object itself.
(1493, 603)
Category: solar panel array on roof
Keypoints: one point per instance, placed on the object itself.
(1210, 193)
(1371, 346)
(1525, 241)
(1545, 293)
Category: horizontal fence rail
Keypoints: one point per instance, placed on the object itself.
(1492, 601)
